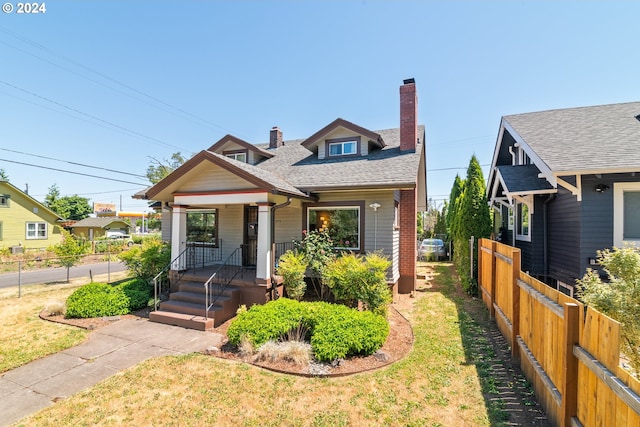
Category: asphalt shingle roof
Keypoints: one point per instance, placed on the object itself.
(96, 222)
(605, 137)
(522, 178)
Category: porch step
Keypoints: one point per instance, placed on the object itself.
(183, 320)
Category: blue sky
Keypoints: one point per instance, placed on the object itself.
(113, 83)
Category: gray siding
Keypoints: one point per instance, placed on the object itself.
(564, 236)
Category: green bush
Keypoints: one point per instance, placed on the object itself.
(147, 260)
(100, 299)
(291, 266)
(336, 331)
(97, 300)
(344, 332)
(353, 278)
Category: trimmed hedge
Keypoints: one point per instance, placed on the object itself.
(101, 299)
(336, 331)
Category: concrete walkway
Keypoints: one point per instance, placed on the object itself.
(108, 350)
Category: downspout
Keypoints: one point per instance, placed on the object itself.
(545, 239)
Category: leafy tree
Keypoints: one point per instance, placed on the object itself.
(158, 169)
(147, 260)
(318, 249)
(619, 297)
(68, 207)
(3, 175)
(69, 250)
(472, 218)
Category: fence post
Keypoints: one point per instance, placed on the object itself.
(492, 288)
(19, 279)
(570, 372)
(515, 307)
(471, 257)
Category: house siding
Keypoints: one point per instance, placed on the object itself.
(15, 217)
(211, 177)
(532, 253)
(564, 225)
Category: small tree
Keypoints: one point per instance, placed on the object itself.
(292, 266)
(317, 247)
(147, 260)
(69, 250)
(618, 298)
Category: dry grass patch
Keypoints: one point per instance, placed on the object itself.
(25, 337)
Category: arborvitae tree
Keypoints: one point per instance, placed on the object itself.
(456, 191)
(472, 218)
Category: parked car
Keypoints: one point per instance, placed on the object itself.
(124, 238)
(432, 249)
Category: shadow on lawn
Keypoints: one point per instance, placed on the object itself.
(509, 398)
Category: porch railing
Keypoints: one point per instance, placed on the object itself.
(202, 254)
(216, 284)
(162, 282)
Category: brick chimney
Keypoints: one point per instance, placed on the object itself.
(408, 115)
(275, 137)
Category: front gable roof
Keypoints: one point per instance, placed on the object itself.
(313, 140)
(97, 222)
(254, 176)
(33, 201)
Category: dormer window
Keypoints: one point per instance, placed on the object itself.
(240, 155)
(343, 147)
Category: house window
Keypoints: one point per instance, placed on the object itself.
(4, 201)
(202, 226)
(36, 230)
(343, 147)
(626, 221)
(396, 215)
(342, 223)
(523, 226)
(240, 156)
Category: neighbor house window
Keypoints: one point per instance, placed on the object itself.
(4, 201)
(342, 223)
(626, 221)
(240, 156)
(343, 147)
(202, 226)
(36, 230)
(523, 226)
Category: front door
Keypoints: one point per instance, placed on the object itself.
(250, 246)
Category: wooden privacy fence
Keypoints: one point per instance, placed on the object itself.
(571, 355)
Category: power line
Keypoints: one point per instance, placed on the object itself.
(73, 173)
(453, 168)
(149, 138)
(74, 163)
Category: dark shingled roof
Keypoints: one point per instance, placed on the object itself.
(605, 137)
(523, 179)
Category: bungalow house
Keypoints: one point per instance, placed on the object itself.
(565, 184)
(94, 228)
(26, 223)
(252, 200)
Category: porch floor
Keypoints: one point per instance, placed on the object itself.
(245, 278)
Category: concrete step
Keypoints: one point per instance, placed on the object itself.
(183, 320)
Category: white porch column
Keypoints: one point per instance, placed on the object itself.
(263, 263)
(178, 236)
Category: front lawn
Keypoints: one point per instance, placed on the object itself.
(447, 380)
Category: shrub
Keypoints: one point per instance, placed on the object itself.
(147, 260)
(336, 331)
(100, 299)
(97, 300)
(352, 278)
(618, 298)
(317, 247)
(291, 266)
(346, 332)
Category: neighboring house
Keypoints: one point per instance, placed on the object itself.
(365, 186)
(565, 184)
(94, 228)
(26, 223)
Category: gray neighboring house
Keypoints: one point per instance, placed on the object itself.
(565, 184)
(365, 186)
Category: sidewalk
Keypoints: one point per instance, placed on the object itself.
(108, 350)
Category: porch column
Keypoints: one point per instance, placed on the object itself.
(263, 263)
(178, 236)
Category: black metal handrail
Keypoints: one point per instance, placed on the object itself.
(216, 284)
(162, 281)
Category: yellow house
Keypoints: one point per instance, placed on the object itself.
(24, 222)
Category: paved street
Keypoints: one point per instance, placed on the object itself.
(59, 274)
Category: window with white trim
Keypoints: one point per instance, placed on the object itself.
(343, 148)
(36, 230)
(523, 222)
(241, 157)
(626, 213)
(342, 223)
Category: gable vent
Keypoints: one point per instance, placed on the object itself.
(638, 117)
